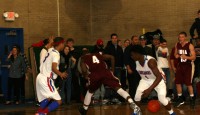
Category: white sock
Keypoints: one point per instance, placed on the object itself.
(124, 94)
(87, 100)
(170, 111)
(191, 95)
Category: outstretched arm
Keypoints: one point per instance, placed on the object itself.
(84, 69)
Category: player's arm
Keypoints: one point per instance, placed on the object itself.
(56, 71)
(153, 66)
(84, 69)
(192, 54)
(176, 55)
(112, 59)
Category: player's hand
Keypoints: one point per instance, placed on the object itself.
(129, 71)
(146, 93)
(177, 56)
(183, 56)
(174, 69)
(63, 75)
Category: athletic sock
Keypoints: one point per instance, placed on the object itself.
(52, 106)
(43, 105)
(125, 95)
(170, 111)
(87, 100)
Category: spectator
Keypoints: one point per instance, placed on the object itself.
(24, 76)
(15, 74)
(155, 44)
(164, 62)
(124, 70)
(116, 51)
(67, 63)
(98, 47)
(75, 77)
(143, 42)
(132, 75)
(195, 26)
(197, 61)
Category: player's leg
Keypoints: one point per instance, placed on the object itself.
(86, 103)
(161, 91)
(113, 82)
(179, 82)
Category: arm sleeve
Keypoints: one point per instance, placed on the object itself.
(26, 61)
(56, 58)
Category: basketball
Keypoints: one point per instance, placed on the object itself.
(153, 106)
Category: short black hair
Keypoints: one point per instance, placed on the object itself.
(163, 40)
(113, 34)
(45, 41)
(138, 49)
(70, 40)
(198, 12)
(57, 39)
(183, 33)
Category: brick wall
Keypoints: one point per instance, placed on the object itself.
(128, 17)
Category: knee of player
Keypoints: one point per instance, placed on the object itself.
(163, 99)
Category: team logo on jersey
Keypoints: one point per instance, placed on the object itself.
(144, 73)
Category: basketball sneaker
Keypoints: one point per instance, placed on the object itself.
(173, 113)
(179, 102)
(192, 102)
(136, 109)
(82, 111)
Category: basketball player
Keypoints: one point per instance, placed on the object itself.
(151, 77)
(47, 94)
(95, 70)
(184, 52)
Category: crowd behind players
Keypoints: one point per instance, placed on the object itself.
(74, 87)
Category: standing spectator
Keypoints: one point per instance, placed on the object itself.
(124, 70)
(75, 77)
(116, 51)
(197, 61)
(15, 74)
(126, 44)
(143, 42)
(132, 75)
(195, 26)
(24, 76)
(98, 47)
(164, 62)
(185, 53)
(67, 63)
(155, 44)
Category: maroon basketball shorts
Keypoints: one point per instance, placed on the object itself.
(184, 73)
(105, 77)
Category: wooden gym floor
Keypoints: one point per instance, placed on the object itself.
(123, 109)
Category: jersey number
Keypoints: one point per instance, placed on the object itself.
(95, 59)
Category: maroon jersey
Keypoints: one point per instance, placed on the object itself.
(94, 62)
(183, 50)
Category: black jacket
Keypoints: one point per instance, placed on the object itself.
(195, 25)
(117, 53)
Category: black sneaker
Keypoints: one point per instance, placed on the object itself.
(82, 111)
(179, 102)
(192, 102)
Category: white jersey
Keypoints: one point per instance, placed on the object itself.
(145, 72)
(46, 65)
